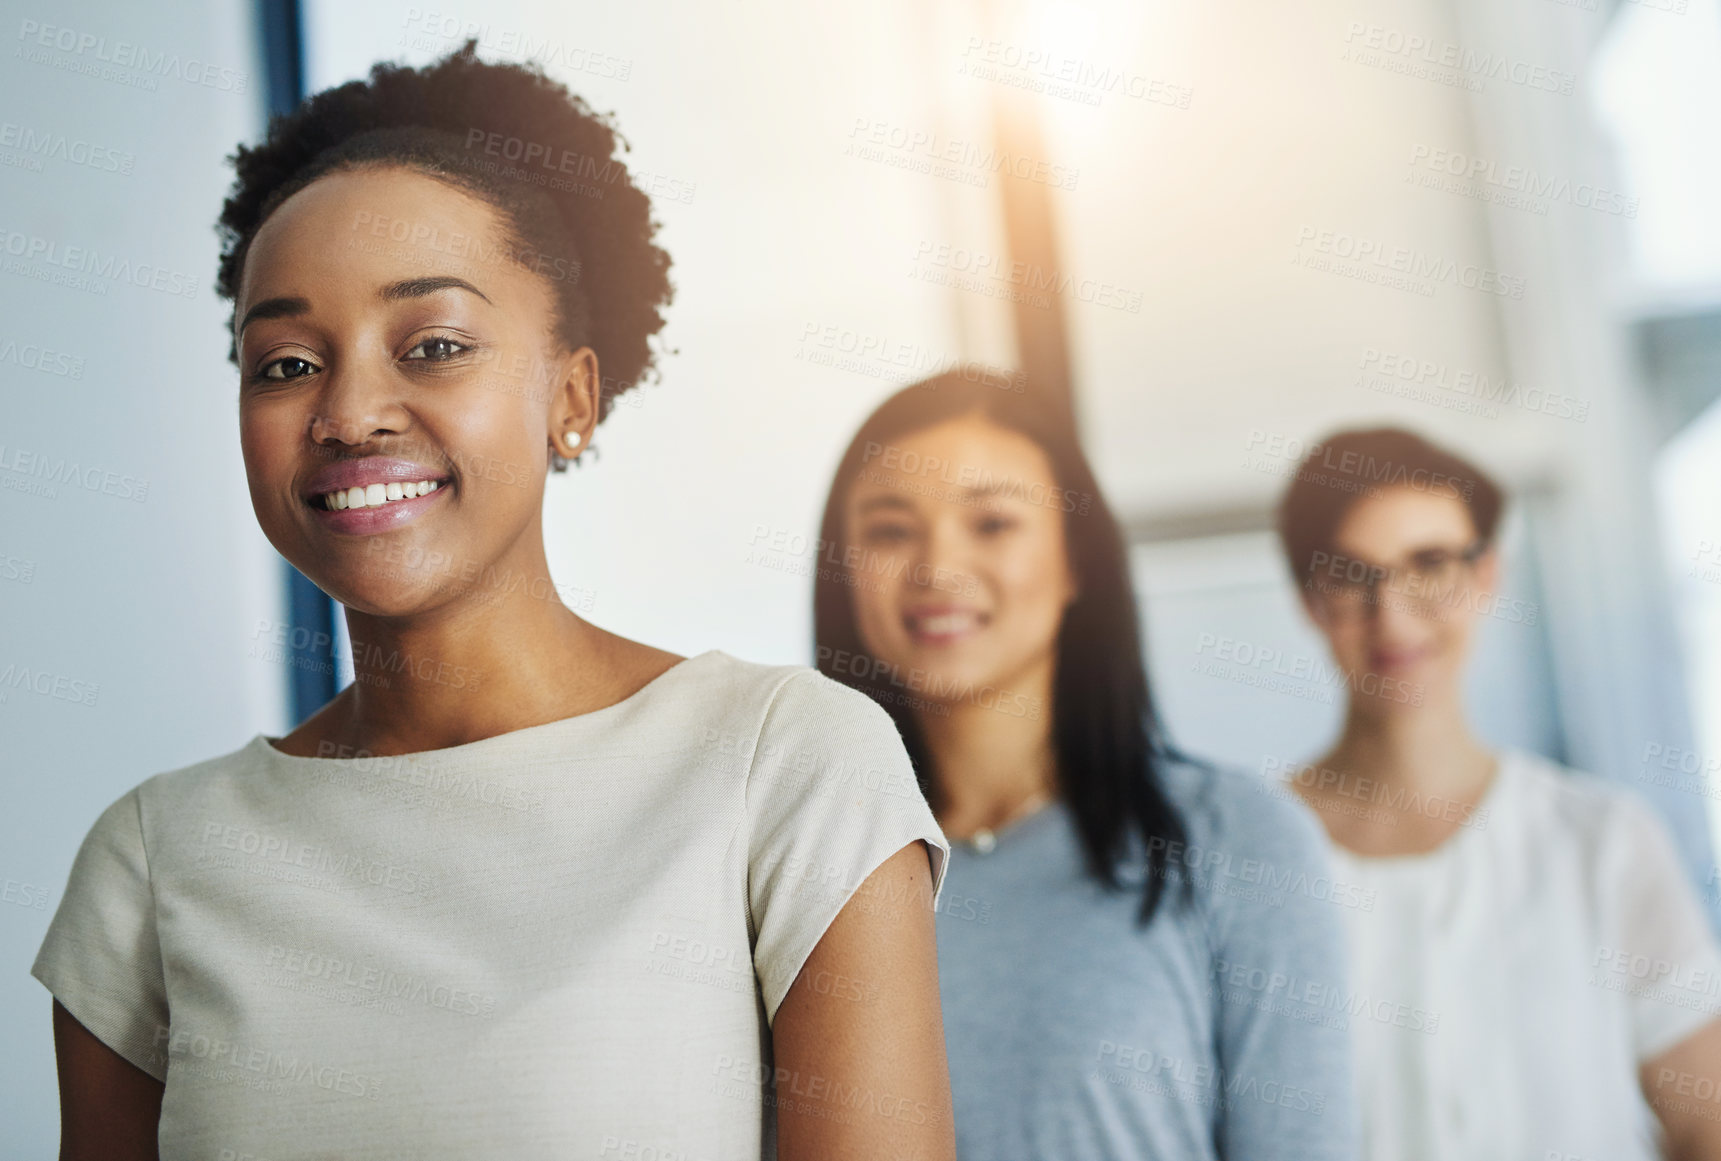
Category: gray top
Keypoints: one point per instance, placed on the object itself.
(1218, 1031)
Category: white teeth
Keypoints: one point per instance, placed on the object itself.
(943, 623)
(375, 495)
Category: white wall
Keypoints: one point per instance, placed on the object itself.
(147, 602)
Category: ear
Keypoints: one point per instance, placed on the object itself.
(575, 403)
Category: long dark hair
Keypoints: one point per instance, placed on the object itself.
(1106, 735)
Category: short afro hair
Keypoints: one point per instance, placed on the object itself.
(1349, 466)
(468, 122)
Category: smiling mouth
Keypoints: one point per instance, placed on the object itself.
(374, 495)
(944, 624)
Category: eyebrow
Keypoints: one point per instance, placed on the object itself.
(883, 501)
(292, 307)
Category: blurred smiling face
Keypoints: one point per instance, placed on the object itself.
(962, 580)
(395, 403)
(1413, 634)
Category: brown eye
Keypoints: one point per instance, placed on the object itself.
(437, 349)
(292, 367)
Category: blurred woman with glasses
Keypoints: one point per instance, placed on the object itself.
(1128, 940)
(1536, 975)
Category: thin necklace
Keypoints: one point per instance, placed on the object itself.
(985, 840)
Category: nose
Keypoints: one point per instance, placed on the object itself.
(356, 405)
(1397, 615)
(946, 555)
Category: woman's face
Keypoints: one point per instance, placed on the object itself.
(388, 339)
(1403, 644)
(957, 572)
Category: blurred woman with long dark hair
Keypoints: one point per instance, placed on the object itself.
(1137, 953)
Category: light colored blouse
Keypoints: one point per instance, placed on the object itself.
(569, 940)
(1526, 967)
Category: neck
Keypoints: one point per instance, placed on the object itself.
(1428, 749)
(502, 653)
(987, 762)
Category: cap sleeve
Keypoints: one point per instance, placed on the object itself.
(1666, 959)
(101, 958)
(831, 795)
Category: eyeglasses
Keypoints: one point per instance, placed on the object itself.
(1426, 579)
